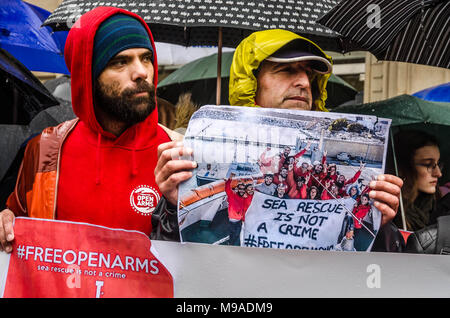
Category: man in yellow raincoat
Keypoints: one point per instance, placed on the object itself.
(279, 69)
(270, 68)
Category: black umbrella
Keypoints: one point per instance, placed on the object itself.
(22, 94)
(218, 22)
(189, 22)
(414, 31)
(14, 138)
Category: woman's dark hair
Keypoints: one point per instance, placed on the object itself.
(300, 178)
(406, 144)
(366, 195)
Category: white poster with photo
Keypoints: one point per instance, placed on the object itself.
(282, 179)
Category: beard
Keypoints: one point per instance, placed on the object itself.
(339, 184)
(125, 106)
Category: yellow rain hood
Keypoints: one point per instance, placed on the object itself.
(249, 55)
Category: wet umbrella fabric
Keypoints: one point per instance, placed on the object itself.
(190, 23)
(414, 31)
(36, 108)
(409, 112)
(21, 34)
(219, 22)
(15, 137)
(198, 77)
(438, 93)
(22, 94)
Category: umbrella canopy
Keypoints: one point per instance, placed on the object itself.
(39, 49)
(218, 22)
(198, 77)
(15, 137)
(414, 31)
(409, 112)
(22, 94)
(439, 93)
(189, 22)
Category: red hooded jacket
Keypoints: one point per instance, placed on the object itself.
(359, 212)
(88, 174)
(237, 205)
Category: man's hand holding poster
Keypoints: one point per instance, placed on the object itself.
(282, 179)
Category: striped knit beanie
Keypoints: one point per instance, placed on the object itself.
(117, 33)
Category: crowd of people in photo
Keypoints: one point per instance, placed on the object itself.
(285, 176)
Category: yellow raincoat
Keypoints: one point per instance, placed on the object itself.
(249, 55)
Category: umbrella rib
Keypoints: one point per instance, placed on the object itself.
(445, 28)
(384, 43)
(400, 44)
(335, 24)
(426, 35)
(411, 47)
(445, 50)
(358, 24)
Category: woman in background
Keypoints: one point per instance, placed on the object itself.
(418, 159)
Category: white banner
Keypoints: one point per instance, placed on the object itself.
(210, 271)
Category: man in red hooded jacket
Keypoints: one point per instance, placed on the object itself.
(239, 201)
(99, 167)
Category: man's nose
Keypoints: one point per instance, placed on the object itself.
(301, 79)
(139, 71)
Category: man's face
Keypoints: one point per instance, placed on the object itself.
(281, 190)
(284, 85)
(241, 189)
(250, 189)
(284, 172)
(364, 200)
(268, 180)
(318, 168)
(334, 189)
(124, 90)
(286, 150)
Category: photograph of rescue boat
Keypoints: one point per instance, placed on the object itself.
(282, 156)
